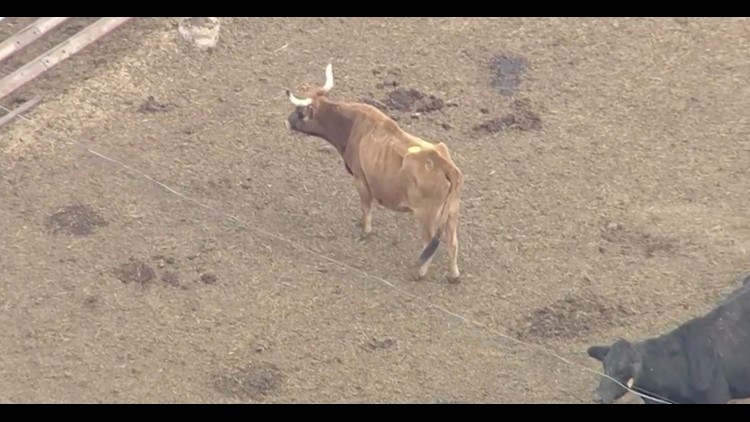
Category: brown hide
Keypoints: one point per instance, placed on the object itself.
(377, 152)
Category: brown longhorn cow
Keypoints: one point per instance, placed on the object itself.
(400, 171)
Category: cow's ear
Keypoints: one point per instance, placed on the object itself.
(598, 352)
(309, 112)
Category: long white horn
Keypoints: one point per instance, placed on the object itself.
(296, 101)
(329, 78)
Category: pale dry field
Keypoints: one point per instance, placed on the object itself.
(606, 165)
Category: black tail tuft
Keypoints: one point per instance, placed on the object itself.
(430, 249)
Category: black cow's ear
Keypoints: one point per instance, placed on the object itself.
(598, 352)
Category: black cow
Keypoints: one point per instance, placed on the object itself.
(704, 360)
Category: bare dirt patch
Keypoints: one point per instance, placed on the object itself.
(135, 271)
(389, 76)
(75, 219)
(165, 268)
(92, 302)
(508, 70)
(620, 239)
(251, 382)
(521, 118)
(406, 100)
(171, 278)
(379, 344)
(410, 99)
(208, 278)
(163, 261)
(153, 106)
(572, 317)
(402, 99)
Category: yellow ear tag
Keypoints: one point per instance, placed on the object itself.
(414, 149)
(630, 383)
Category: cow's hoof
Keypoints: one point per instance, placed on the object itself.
(417, 275)
(452, 279)
(363, 237)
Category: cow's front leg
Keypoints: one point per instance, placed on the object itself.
(365, 199)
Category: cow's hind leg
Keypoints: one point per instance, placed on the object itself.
(365, 199)
(427, 224)
(450, 237)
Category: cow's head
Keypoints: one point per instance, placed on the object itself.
(622, 362)
(303, 118)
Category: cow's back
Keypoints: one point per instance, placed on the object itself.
(716, 346)
(705, 355)
(380, 154)
(730, 332)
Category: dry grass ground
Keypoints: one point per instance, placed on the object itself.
(606, 166)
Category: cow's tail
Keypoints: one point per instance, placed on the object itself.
(450, 206)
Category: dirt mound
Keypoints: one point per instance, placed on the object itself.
(135, 271)
(75, 220)
(622, 240)
(521, 117)
(571, 317)
(251, 382)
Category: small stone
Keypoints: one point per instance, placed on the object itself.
(202, 32)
